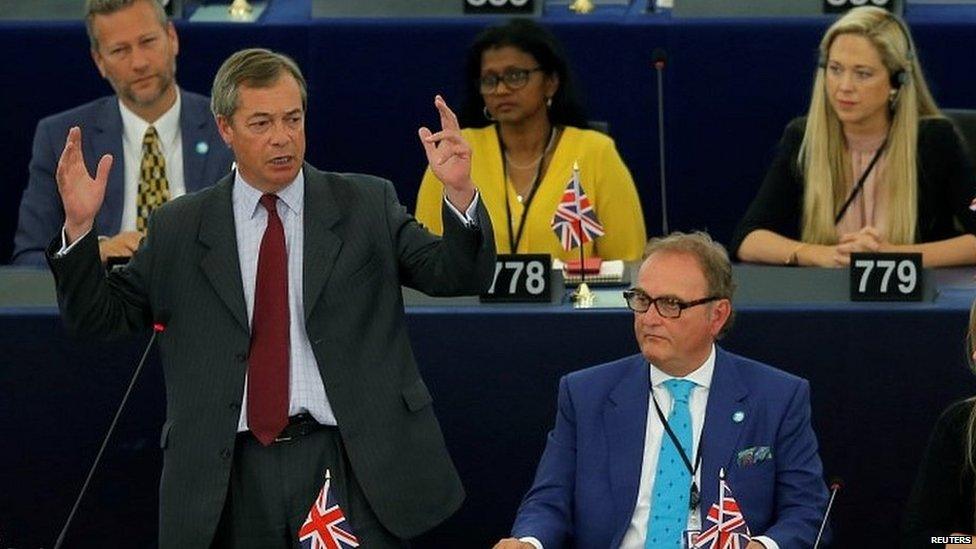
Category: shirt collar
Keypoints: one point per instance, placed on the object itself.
(167, 125)
(702, 376)
(292, 196)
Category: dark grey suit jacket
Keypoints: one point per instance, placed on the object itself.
(360, 246)
(205, 160)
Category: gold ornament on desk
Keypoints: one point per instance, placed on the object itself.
(583, 298)
(581, 6)
(240, 9)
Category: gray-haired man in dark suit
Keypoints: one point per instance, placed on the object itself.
(286, 351)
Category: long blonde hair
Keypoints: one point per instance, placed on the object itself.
(823, 159)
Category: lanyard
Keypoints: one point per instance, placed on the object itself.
(860, 183)
(514, 242)
(694, 494)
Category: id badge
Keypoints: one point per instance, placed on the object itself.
(691, 534)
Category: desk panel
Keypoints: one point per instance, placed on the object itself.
(880, 374)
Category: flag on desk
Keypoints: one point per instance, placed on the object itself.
(575, 221)
(325, 526)
(728, 529)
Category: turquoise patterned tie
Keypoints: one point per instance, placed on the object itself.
(672, 482)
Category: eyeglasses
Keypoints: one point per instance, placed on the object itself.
(668, 307)
(514, 79)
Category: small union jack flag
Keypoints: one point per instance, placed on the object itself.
(728, 528)
(325, 526)
(575, 220)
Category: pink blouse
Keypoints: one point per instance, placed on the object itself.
(870, 207)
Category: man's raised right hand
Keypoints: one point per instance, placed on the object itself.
(81, 195)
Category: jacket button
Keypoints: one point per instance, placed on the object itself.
(242, 357)
(225, 453)
(235, 405)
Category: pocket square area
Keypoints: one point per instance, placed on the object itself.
(753, 455)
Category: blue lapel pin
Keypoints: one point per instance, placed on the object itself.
(202, 147)
(738, 416)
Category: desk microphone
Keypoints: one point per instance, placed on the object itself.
(158, 328)
(835, 485)
(659, 58)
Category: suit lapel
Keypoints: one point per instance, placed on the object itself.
(105, 137)
(720, 435)
(193, 127)
(625, 425)
(221, 263)
(322, 245)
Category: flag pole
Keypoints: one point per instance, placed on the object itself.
(583, 298)
(579, 220)
(721, 499)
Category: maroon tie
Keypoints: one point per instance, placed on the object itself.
(267, 384)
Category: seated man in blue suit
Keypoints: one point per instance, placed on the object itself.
(628, 467)
(165, 138)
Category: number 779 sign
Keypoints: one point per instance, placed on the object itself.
(886, 277)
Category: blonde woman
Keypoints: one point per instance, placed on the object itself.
(873, 167)
(943, 500)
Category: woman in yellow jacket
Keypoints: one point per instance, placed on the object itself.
(523, 158)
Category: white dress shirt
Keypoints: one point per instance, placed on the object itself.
(697, 402)
(170, 144)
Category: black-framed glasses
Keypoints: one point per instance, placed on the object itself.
(667, 306)
(513, 78)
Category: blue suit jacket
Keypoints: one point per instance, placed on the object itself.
(41, 212)
(586, 485)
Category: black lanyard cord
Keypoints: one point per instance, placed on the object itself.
(860, 183)
(514, 242)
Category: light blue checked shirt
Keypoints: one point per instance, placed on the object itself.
(306, 393)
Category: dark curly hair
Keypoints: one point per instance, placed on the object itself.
(535, 40)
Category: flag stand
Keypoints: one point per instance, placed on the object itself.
(582, 298)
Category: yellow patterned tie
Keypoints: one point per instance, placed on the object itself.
(153, 187)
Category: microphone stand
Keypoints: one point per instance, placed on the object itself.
(157, 328)
(835, 487)
(660, 60)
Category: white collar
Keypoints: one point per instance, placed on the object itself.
(701, 376)
(167, 126)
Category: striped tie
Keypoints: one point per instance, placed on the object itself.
(153, 187)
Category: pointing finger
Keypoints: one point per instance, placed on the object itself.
(448, 118)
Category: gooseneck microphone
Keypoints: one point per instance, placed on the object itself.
(659, 59)
(158, 327)
(835, 485)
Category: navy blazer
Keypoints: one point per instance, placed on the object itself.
(205, 160)
(586, 486)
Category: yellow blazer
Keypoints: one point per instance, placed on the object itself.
(603, 175)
